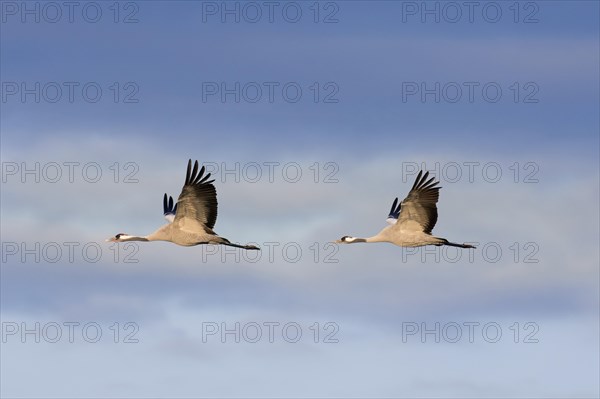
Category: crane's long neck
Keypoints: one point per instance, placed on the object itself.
(376, 238)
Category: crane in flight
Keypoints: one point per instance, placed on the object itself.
(412, 220)
(192, 218)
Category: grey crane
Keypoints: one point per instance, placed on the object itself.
(192, 218)
(412, 220)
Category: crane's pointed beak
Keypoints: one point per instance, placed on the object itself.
(111, 239)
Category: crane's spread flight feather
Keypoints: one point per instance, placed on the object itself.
(418, 211)
(198, 198)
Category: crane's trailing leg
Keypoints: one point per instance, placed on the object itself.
(230, 244)
(225, 241)
(453, 244)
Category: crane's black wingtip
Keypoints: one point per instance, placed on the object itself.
(423, 182)
(169, 205)
(418, 179)
(395, 209)
(195, 176)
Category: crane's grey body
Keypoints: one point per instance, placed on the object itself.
(192, 219)
(185, 235)
(411, 221)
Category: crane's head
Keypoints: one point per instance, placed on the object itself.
(346, 240)
(120, 238)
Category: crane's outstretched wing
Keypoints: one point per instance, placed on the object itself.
(394, 212)
(418, 210)
(169, 210)
(198, 199)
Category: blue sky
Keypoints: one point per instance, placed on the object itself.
(364, 142)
